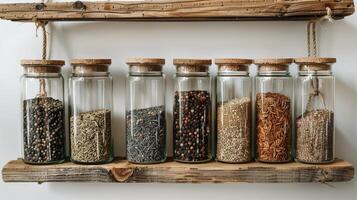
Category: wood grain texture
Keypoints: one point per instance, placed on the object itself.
(173, 172)
(177, 10)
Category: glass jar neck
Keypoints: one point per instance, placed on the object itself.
(192, 74)
(273, 73)
(42, 75)
(273, 70)
(315, 73)
(147, 74)
(315, 69)
(91, 74)
(233, 73)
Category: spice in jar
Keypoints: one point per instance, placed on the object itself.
(273, 126)
(234, 131)
(192, 126)
(146, 135)
(315, 136)
(91, 136)
(44, 137)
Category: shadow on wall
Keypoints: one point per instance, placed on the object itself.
(345, 141)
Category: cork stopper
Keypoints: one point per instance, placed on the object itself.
(88, 66)
(275, 64)
(315, 63)
(143, 65)
(42, 66)
(192, 65)
(232, 64)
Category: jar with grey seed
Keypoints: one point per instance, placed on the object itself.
(145, 111)
(90, 98)
(234, 111)
(315, 96)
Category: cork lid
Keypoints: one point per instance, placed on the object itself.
(192, 65)
(145, 61)
(232, 64)
(193, 62)
(42, 66)
(315, 60)
(273, 64)
(142, 65)
(87, 66)
(314, 63)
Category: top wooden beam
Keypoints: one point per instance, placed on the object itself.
(176, 10)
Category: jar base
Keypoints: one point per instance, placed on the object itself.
(315, 163)
(274, 162)
(147, 163)
(92, 163)
(231, 162)
(44, 163)
(192, 162)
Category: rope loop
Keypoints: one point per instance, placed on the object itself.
(311, 32)
(312, 52)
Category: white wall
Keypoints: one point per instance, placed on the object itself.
(119, 40)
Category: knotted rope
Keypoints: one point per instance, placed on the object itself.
(312, 52)
(311, 32)
(42, 25)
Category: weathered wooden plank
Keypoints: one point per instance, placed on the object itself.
(176, 10)
(173, 172)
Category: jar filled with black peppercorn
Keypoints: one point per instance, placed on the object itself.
(43, 124)
(192, 111)
(145, 111)
(90, 100)
(315, 98)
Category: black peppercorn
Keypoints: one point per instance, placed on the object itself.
(44, 132)
(192, 126)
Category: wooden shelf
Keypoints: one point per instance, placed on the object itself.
(176, 10)
(173, 172)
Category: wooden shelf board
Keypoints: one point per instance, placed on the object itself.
(176, 10)
(173, 172)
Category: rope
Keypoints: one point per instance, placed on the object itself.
(312, 52)
(42, 85)
(42, 24)
(315, 93)
(311, 32)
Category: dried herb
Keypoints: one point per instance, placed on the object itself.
(43, 132)
(273, 126)
(91, 137)
(146, 135)
(192, 126)
(234, 131)
(315, 136)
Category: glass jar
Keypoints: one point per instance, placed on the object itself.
(234, 111)
(43, 124)
(315, 97)
(192, 111)
(90, 98)
(273, 110)
(145, 111)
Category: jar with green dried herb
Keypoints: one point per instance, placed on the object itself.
(315, 96)
(234, 111)
(273, 107)
(192, 111)
(145, 111)
(90, 98)
(43, 124)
